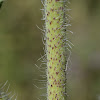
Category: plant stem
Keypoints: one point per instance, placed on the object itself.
(56, 49)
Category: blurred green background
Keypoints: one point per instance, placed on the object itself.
(21, 46)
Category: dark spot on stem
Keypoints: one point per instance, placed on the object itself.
(50, 22)
(57, 73)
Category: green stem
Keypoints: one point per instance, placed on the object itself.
(56, 49)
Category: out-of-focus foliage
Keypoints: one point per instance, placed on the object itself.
(21, 46)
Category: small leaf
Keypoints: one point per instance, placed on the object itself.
(1, 2)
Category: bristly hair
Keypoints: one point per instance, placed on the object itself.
(5, 94)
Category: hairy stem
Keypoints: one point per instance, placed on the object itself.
(56, 49)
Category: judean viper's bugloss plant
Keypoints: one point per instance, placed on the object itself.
(56, 30)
